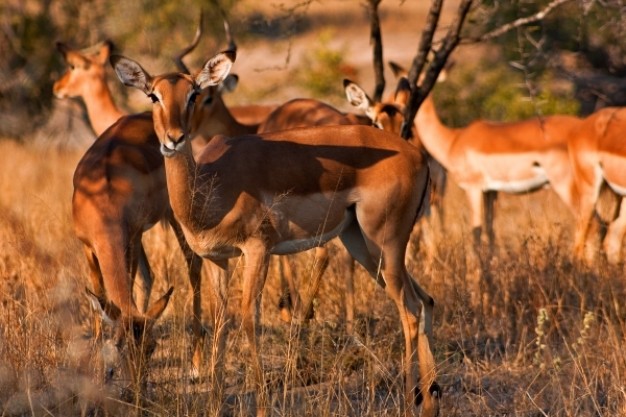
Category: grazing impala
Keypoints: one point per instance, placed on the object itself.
(119, 193)
(288, 191)
(487, 157)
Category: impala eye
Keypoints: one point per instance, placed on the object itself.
(207, 100)
(153, 97)
(192, 97)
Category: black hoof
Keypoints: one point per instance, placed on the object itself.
(434, 390)
(418, 397)
(284, 302)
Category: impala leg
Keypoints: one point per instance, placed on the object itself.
(615, 237)
(305, 310)
(194, 268)
(383, 243)
(489, 199)
(97, 287)
(347, 269)
(290, 296)
(218, 289)
(415, 310)
(475, 200)
(583, 226)
(146, 277)
(588, 185)
(254, 274)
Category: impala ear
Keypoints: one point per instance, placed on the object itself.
(215, 70)
(130, 73)
(109, 312)
(403, 91)
(104, 51)
(63, 48)
(157, 308)
(356, 95)
(398, 70)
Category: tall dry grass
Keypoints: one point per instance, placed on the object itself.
(544, 337)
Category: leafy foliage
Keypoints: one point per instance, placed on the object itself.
(496, 92)
(322, 68)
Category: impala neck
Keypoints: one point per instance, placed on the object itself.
(181, 174)
(436, 137)
(216, 118)
(101, 108)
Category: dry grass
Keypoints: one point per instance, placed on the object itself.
(547, 339)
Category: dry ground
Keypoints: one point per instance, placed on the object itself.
(546, 338)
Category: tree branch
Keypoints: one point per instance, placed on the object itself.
(420, 92)
(377, 49)
(540, 15)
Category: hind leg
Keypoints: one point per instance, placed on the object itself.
(97, 288)
(615, 237)
(146, 277)
(381, 250)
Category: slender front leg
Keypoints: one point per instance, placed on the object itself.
(146, 275)
(194, 268)
(217, 277)
(489, 199)
(255, 271)
(475, 200)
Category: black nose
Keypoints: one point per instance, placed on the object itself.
(176, 137)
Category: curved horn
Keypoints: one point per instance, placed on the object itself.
(178, 58)
(232, 46)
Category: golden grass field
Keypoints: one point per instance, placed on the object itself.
(542, 337)
(548, 339)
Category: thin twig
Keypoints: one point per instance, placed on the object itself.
(540, 15)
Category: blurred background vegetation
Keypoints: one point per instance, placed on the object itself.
(571, 62)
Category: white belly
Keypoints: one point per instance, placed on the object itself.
(299, 245)
(619, 189)
(519, 186)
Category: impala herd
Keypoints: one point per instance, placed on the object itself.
(291, 178)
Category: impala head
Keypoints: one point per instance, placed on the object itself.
(209, 102)
(84, 67)
(387, 115)
(133, 341)
(173, 95)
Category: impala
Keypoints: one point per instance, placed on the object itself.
(119, 193)
(387, 116)
(213, 117)
(289, 191)
(485, 158)
(86, 78)
(598, 154)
